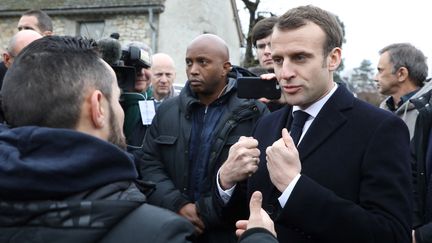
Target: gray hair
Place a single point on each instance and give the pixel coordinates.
(406, 55)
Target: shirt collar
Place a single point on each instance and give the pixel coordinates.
(391, 104)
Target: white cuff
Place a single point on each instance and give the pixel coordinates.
(287, 193)
(224, 194)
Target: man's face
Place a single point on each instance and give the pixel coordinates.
(29, 22)
(387, 82)
(142, 80)
(264, 52)
(163, 75)
(116, 118)
(205, 70)
(303, 73)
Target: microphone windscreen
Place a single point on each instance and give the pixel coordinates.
(110, 50)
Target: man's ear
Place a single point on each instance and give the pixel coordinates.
(47, 33)
(97, 111)
(334, 58)
(7, 59)
(402, 74)
(226, 68)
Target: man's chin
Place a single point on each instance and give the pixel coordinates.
(163, 92)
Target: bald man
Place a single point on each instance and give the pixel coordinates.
(17, 43)
(191, 135)
(163, 76)
(15, 46)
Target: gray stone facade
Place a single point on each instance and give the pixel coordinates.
(166, 25)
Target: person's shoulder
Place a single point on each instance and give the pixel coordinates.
(371, 116)
(367, 108)
(165, 222)
(169, 104)
(153, 224)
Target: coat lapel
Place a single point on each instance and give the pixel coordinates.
(328, 120)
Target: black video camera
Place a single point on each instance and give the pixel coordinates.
(126, 63)
(133, 60)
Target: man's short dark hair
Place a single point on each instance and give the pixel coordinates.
(44, 21)
(406, 55)
(263, 28)
(47, 83)
(300, 16)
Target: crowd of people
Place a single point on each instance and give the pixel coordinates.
(86, 160)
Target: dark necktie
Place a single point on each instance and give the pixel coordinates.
(299, 119)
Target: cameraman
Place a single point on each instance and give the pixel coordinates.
(138, 116)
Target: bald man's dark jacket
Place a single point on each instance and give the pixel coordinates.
(355, 183)
(166, 151)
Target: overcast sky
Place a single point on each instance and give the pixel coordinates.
(369, 24)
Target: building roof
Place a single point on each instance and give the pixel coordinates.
(67, 7)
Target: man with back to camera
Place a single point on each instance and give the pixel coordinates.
(163, 77)
(342, 174)
(191, 135)
(65, 175)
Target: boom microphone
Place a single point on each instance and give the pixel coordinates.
(110, 50)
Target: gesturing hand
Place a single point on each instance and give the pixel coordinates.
(258, 217)
(283, 162)
(242, 161)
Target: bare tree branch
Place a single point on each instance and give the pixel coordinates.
(252, 8)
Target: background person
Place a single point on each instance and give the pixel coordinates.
(36, 20)
(261, 36)
(402, 71)
(163, 76)
(138, 118)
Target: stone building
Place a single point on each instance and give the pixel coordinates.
(166, 25)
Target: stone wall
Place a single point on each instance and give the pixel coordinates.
(7, 30)
(130, 27)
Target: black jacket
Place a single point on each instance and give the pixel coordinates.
(166, 153)
(423, 186)
(347, 192)
(59, 185)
